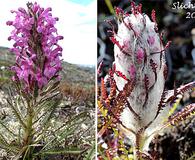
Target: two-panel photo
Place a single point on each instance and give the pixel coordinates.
(97, 80)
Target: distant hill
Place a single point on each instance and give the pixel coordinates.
(71, 73)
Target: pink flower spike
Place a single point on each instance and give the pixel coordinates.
(37, 61)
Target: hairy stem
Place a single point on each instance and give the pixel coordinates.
(138, 146)
(141, 145)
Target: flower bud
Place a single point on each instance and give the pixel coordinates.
(139, 55)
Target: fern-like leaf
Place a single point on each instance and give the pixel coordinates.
(182, 115)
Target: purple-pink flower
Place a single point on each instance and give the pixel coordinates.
(151, 40)
(35, 46)
(140, 55)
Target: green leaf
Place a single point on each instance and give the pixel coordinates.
(64, 131)
(47, 116)
(17, 114)
(19, 154)
(73, 120)
(9, 130)
(91, 153)
(192, 157)
(5, 145)
(110, 7)
(51, 89)
(63, 151)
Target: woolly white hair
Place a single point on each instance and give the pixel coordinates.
(145, 30)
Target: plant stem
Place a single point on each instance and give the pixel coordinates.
(140, 143)
(28, 136)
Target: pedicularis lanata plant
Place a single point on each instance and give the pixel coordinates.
(137, 104)
(36, 80)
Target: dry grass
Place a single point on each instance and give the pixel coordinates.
(79, 94)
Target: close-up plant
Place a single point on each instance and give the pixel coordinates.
(133, 103)
(32, 126)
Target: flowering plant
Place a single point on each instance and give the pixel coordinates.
(34, 131)
(137, 105)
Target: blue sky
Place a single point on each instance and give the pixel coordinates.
(77, 23)
(82, 2)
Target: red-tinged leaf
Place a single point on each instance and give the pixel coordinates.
(160, 107)
(139, 8)
(180, 90)
(168, 44)
(161, 39)
(114, 67)
(133, 8)
(120, 74)
(182, 115)
(146, 85)
(132, 110)
(120, 14)
(153, 16)
(112, 89)
(108, 155)
(114, 41)
(185, 88)
(162, 102)
(119, 11)
(154, 67)
(145, 57)
(99, 70)
(104, 95)
(136, 9)
(165, 72)
(102, 130)
(128, 88)
(130, 27)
